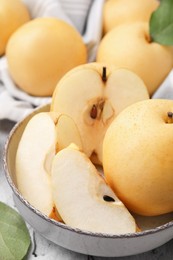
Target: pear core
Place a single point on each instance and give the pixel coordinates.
(93, 95)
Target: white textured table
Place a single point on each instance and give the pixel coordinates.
(41, 248)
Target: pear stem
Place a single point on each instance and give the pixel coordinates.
(170, 117)
(104, 76)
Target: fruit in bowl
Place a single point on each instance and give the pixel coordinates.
(131, 152)
(93, 95)
(83, 198)
(154, 232)
(87, 98)
(137, 157)
(44, 135)
(52, 177)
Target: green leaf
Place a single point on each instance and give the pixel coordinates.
(161, 23)
(14, 235)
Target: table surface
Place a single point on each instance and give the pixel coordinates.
(44, 249)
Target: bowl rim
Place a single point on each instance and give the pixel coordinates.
(60, 224)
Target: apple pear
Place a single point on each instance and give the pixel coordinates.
(13, 14)
(48, 47)
(130, 46)
(42, 137)
(116, 12)
(138, 157)
(93, 95)
(82, 197)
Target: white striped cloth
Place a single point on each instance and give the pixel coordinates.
(73, 12)
(84, 15)
(165, 90)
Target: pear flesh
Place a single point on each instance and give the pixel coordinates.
(82, 197)
(37, 142)
(44, 135)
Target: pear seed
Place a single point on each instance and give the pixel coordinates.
(170, 114)
(108, 198)
(93, 113)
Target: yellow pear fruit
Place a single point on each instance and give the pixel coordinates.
(40, 52)
(93, 95)
(138, 157)
(13, 14)
(130, 46)
(36, 144)
(83, 198)
(116, 12)
(42, 138)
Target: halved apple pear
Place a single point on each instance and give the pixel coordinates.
(37, 147)
(93, 95)
(82, 197)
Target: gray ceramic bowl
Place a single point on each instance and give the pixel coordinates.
(156, 230)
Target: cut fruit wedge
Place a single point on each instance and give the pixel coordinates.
(44, 133)
(82, 197)
(67, 133)
(33, 180)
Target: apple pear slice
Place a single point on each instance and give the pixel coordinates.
(37, 147)
(67, 132)
(82, 197)
(93, 95)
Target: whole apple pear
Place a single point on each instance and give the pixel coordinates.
(13, 14)
(116, 12)
(138, 157)
(48, 48)
(130, 46)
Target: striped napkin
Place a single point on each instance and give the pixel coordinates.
(84, 15)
